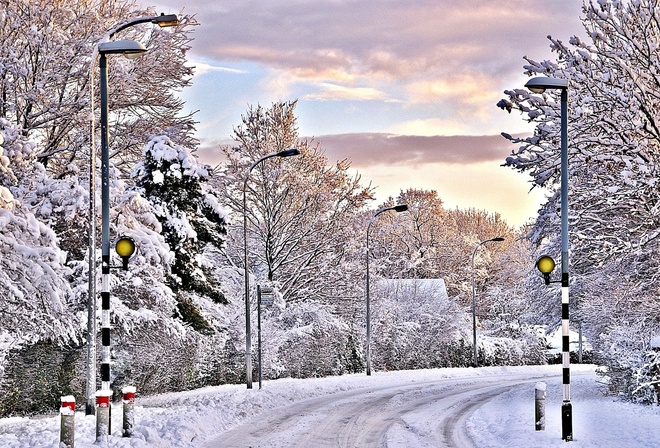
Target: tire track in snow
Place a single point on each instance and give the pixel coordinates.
(424, 414)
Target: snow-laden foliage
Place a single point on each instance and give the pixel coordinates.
(48, 67)
(416, 325)
(38, 301)
(614, 155)
(298, 208)
(429, 241)
(190, 215)
(36, 294)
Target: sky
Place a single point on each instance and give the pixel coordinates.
(196, 418)
(406, 90)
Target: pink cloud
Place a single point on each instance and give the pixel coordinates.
(400, 39)
(368, 149)
(387, 149)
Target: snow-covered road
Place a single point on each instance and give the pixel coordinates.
(421, 414)
(482, 408)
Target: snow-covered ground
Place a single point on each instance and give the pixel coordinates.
(190, 419)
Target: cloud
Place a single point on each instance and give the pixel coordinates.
(464, 170)
(389, 149)
(396, 39)
(431, 127)
(415, 52)
(202, 68)
(403, 71)
(336, 92)
(370, 149)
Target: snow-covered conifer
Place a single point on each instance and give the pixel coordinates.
(190, 216)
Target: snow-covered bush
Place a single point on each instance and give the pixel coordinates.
(415, 325)
(306, 340)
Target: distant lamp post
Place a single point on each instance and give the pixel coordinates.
(397, 208)
(540, 85)
(248, 337)
(475, 362)
(163, 20)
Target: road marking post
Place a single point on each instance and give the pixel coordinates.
(539, 406)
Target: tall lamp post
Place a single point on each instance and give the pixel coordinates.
(540, 85)
(128, 48)
(397, 208)
(248, 336)
(475, 362)
(162, 21)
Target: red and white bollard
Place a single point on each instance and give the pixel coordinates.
(103, 414)
(128, 393)
(67, 423)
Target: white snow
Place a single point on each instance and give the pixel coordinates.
(655, 342)
(189, 419)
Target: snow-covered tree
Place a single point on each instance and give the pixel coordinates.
(420, 237)
(299, 209)
(33, 271)
(614, 151)
(37, 297)
(302, 215)
(190, 217)
(46, 66)
(429, 241)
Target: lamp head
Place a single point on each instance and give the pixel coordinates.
(498, 239)
(546, 265)
(125, 248)
(129, 48)
(166, 20)
(288, 152)
(541, 83)
(397, 208)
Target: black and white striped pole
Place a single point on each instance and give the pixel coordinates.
(129, 49)
(125, 247)
(539, 85)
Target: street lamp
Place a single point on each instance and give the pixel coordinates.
(163, 20)
(248, 337)
(132, 49)
(474, 303)
(540, 85)
(397, 208)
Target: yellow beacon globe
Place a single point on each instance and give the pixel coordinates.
(125, 247)
(545, 264)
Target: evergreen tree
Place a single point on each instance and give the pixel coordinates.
(175, 183)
